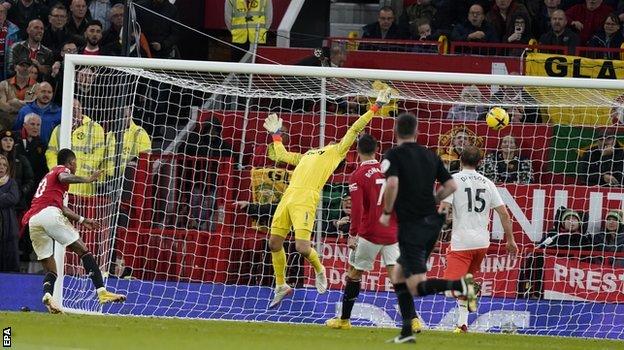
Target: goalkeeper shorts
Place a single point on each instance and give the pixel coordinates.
(299, 217)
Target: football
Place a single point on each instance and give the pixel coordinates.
(497, 118)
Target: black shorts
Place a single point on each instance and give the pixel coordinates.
(416, 241)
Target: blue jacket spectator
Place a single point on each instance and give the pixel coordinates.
(610, 38)
(11, 36)
(43, 106)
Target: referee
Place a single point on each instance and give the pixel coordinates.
(416, 169)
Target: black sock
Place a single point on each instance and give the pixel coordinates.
(434, 286)
(406, 305)
(92, 270)
(48, 283)
(351, 292)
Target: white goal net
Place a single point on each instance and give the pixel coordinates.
(190, 187)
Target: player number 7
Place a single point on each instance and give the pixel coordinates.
(381, 182)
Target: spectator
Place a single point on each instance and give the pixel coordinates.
(326, 57)
(205, 142)
(140, 50)
(588, 18)
(32, 49)
(116, 15)
(560, 35)
(472, 109)
(416, 13)
(610, 38)
(603, 164)
(507, 165)
(93, 36)
(22, 12)
(33, 73)
(460, 138)
(502, 14)
(384, 28)
(56, 34)
(30, 146)
(241, 18)
(475, 28)
(78, 18)
(15, 93)
(100, 10)
(135, 141)
(611, 239)
(161, 33)
(87, 139)
(341, 225)
(543, 19)
(520, 105)
(9, 197)
(9, 35)
(56, 75)
(21, 171)
(567, 234)
(43, 106)
(520, 32)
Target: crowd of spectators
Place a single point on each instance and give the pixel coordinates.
(570, 24)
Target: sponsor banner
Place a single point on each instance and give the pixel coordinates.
(250, 303)
(498, 275)
(571, 279)
(587, 112)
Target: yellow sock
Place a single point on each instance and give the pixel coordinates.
(313, 258)
(279, 266)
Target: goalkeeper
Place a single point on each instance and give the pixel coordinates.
(297, 207)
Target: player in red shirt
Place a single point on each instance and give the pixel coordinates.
(48, 221)
(367, 236)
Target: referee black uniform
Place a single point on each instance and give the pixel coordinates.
(419, 223)
(416, 168)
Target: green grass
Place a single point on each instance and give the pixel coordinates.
(44, 331)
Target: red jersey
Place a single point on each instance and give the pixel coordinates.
(50, 193)
(365, 187)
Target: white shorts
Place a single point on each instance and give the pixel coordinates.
(365, 253)
(47, 226)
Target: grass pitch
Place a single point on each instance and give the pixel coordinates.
(44, 331)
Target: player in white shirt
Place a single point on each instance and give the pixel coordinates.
(471, 207)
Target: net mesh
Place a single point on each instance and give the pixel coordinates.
(185, 214)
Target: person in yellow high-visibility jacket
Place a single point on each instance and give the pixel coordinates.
(88, 145)
(135, 141)
(242, 17)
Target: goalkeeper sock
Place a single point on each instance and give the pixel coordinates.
(48, 283)
(88, 261)
(279, 266)
(462, 308)
(434, 286)
(351, 292)
(406, 306)
(314, 260)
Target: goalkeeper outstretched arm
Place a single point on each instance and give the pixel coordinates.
(273, 124)
(359, 125)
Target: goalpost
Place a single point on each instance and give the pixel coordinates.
(172, 214)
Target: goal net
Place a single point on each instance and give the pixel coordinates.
(185, 214)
